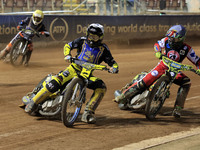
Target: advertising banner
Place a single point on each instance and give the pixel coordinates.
(67, 28)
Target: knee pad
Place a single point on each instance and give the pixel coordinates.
(97, 84)
(53, 86)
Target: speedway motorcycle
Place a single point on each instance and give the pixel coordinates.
(67, 102)
(136, 102)
(152, 99)
(18, 53)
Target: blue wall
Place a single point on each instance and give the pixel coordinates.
(67, 28)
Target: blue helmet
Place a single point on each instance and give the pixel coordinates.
(176, 35)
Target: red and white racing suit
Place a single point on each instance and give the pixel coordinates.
(178, 55)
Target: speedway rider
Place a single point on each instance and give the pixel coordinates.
(175, 49)
(35, 22)
(89, 49)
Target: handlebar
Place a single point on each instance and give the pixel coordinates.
(89, 66)
(178, 65)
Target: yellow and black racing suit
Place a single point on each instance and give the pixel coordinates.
(94, 55)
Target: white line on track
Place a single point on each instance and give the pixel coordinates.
(160, 140)
(11, 133)
(194, 97)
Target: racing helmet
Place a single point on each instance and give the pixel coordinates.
(95, 34)
(176, 36)
(37, 17)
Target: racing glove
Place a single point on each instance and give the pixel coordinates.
(68, 58)
(44, 33)
(114, 68)
(19, 27)
(198, 71)
(158, 55)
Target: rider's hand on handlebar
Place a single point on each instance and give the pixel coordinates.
(114, 69)
(158, 55)
(68, 58)
(19, 27)
(198, 71)
(44, 33)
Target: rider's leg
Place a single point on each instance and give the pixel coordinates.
(51, 87)
(44, 92)
(98, 94)
(142, 85)
(136, 88)
(28, 55)
(5, 51)
(181, 96)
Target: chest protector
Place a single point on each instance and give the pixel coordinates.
(89, 54)
(178, 54)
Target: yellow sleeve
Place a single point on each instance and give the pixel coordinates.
(67, 50)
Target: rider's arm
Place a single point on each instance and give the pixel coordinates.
(107, 57)
(159, 46)
(193, 57)
(76, 44)
(43, 30)
(23, 23)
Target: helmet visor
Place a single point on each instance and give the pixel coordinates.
(174, 36)
(175, 39)
(93, 37)
(37, 19)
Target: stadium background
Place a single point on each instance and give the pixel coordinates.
(124, 20)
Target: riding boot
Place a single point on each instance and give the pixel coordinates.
(27, 58)
(39, 97)
(180, 100)
(88, 115)
(134, 89)
(3, 53)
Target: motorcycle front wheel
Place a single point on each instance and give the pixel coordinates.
(72, 102)
(16, 56)
(156, 98)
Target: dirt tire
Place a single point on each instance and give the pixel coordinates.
(156, 98)
(16, 57)
(72, 102)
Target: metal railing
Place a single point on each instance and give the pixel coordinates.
(95, 7)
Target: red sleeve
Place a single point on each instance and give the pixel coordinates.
(157, 48)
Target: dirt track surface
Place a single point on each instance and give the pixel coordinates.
(114, 128)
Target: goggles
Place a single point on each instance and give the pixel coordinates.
(175, 39)
(93, 37)
(37, 19)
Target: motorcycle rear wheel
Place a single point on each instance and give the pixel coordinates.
(72, 102)
(16, 57)
(156, 98)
